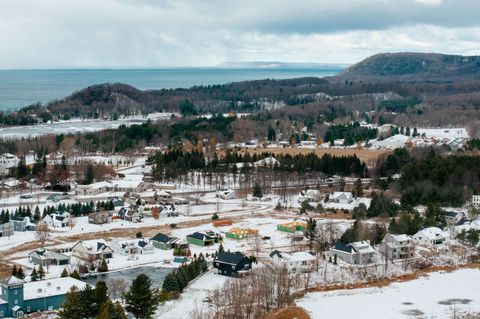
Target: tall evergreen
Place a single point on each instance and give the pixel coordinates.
(141, 300)
(34, 275)
(72, 307)
(41, 272)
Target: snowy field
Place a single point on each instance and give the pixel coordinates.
(436, 296)
(76, 125)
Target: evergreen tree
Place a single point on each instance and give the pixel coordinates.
(75, 274)
(103, 266)
(358, 187)
(100, 295)
(257, 191)
(170, 283)
(141, 300)
(41, 273)
(20, 273)
(64, 273)
(14, 271)
(34, 275)
(111, 311)
(89, 306)
(72, 306)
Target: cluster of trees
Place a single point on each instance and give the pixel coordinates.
(175, 162)
(471, 236)
(37, 274)
(178, 279)
(90, 303)
(351, 133)
(141, 300)
(362, 231)
(18, 272)
(440, 179)
(399, 106)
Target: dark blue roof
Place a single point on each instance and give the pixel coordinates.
(231, 258)
(161, 238)
(343, 247)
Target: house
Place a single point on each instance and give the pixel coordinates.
(476, 200)
(90, 251)
(162, 241)
(225, 193)
(24, 224)
(431, 236)
(231, 264)
(455, 217)
(269, 161)
(132, 214)
(292, 227)
(205, 238)
(57, 220)
(18, 298)
(397, 246)
(356, 253)
(309, 195)
(169, 211)
(132, 247)
(7, 162)
(100, 218)
(6, 229)
(241, 233)
(47, 257)
(222, 222)
(92, 189)
(340, 197)
(294, 262)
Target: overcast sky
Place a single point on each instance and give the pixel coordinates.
(159, 33)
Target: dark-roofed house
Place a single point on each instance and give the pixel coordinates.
(162, 241)
(47, 257)
(357, 253)
(206, 238)
(232, 264)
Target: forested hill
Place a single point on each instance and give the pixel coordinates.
(422, 66)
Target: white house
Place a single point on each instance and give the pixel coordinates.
(431, 236)
(356, 253)
(341, 197)
(397, 246)
(309, 195)
(92, 250)
(225, 193)
(132, 247)
(476, 200)
(7, 161)
(92, 189)
(294, 262)
(57, 220)
(267, 162)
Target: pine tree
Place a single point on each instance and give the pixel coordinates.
(20, 273)
(100, 296)
(141, 300)
(71, 306)
(111, 311)
(41, 273)
(89, 307)
(103, 266)
(75, 274)
(257, 191)
(34, 275)
(64, 273)
(170, 283)
(14, 271)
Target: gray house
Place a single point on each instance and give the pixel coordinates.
(24, 224)
(357, 253)
(47, 257)
(6, 230)
(397, 246)
(163, 241)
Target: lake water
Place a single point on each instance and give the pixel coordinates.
(20, 88)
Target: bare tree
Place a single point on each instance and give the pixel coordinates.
(116, 287)
(43, 232)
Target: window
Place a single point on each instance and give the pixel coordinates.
(1, 313)
(16, 301)
(28, 309)
(15, 292)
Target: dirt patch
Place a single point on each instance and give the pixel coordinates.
(290, 313)
(365, 155)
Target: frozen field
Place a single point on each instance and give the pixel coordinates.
(436, 296)
(76, 125)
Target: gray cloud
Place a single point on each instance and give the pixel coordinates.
(143, 33)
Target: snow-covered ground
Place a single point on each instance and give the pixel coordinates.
(76, 125)
(435, 296)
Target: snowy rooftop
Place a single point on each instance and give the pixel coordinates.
(51, 287)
